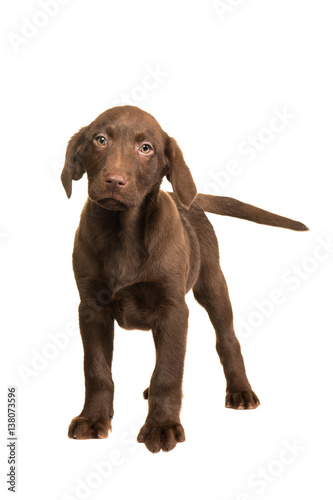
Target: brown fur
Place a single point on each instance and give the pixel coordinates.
(138, 250)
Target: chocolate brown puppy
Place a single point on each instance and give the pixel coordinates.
(138, 250)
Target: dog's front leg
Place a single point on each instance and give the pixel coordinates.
(162, 429)
(97, 331)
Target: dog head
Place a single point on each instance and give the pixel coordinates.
(126, 154)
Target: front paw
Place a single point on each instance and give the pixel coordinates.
(87, 428)
(161, 437)
(242, 400)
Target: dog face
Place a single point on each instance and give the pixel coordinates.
(126, 154)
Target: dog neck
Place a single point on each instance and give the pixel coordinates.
(123, 227)
(121, 239)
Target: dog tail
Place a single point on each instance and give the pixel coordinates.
(222, 205)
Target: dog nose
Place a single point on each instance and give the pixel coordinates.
(118, 181)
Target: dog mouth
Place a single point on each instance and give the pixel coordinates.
(111, 203)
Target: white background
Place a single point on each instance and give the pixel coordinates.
(223, 76)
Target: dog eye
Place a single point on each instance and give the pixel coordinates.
(101, 140)
(146, 148)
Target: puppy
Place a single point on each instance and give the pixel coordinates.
(138, 251)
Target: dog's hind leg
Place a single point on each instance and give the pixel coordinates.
(211, 291)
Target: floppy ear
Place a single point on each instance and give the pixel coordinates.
(179, 174)
(73, 169)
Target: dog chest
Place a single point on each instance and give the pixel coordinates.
(140, 305)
